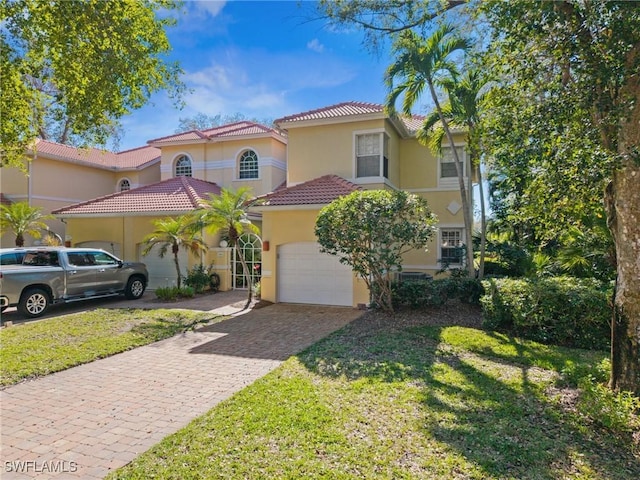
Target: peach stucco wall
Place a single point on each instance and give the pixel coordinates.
(217, 162)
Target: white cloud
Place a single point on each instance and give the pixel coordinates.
(208, 7)
(315, 45)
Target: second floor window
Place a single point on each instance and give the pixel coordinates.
(183, 167)
(124, 185)
(248, 165)
(372, 158)
(447, 162)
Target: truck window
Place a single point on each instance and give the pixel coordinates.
(41, 259)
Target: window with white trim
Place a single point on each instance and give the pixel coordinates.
(372, 155)
(183, 167)
(451, 246)
(124, 185)
(448, 165)
(248, 165)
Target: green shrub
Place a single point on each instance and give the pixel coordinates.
(424, 293)
(198, 278)
(564, 311)
(617, 411)
(171, 294)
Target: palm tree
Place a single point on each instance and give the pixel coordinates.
(177, 233)
(227, 213)
(426, 63)
(21, 218)
(461, 110)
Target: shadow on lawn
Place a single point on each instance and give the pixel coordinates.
(491, 410)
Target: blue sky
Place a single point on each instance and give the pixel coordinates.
(264, 59)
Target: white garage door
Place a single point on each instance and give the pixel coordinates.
(162, 271)
(307, 276)
(110, 247)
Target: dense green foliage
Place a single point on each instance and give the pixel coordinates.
(425, 293)
(71, 69)
(174, 293)
(198, 278)
(371, 230)
(560, 310)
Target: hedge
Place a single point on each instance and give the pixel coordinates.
(424, 293)
(567, 311)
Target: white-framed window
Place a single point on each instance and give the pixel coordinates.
(248, 165)
(451, 246)
(124, 185)
(372, 155)
(183, 166)
(448, 165)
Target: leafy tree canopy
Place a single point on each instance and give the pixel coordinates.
(202, 121)
(71, 69)
(371, 230)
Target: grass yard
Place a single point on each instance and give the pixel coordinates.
(403, 398)
(40, 348)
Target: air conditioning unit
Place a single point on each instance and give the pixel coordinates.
(414, 276)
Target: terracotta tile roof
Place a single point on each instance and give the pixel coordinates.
(237, 129)
(179, 194)
(4, 200)
(129, 159)
(347, 109)
(343, 109)
(319, 191)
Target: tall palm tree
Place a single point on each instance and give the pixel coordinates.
(227, 213)
(21, 218)
(424, 64)
(461, 110)
(174, 233)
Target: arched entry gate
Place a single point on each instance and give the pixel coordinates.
(251, 246)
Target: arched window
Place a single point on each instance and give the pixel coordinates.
(183, 166)
(248, 165)
(124, 185)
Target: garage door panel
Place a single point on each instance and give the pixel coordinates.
(162, 271)
(305, 275)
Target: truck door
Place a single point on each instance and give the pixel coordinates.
(109, 275)
(81, 275)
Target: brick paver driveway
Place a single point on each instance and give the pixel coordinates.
(88, 420)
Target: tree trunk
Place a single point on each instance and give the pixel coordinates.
(466, 204)
(247, 275)
(483, 224)
(623, 201)
(175, 250)
(623, 217)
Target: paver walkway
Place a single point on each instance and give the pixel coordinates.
(89, 420)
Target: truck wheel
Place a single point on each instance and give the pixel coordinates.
(34, 302)
(135, 288)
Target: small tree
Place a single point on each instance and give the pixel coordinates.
(371, 230)
(227, 213)
(176, 233)
(21, 218)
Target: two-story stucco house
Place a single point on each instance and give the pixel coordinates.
(331, 152)
(110, 200)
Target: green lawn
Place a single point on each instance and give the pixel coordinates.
(39, 348)
(384, 399)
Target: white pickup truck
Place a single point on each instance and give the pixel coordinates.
(56, 275)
